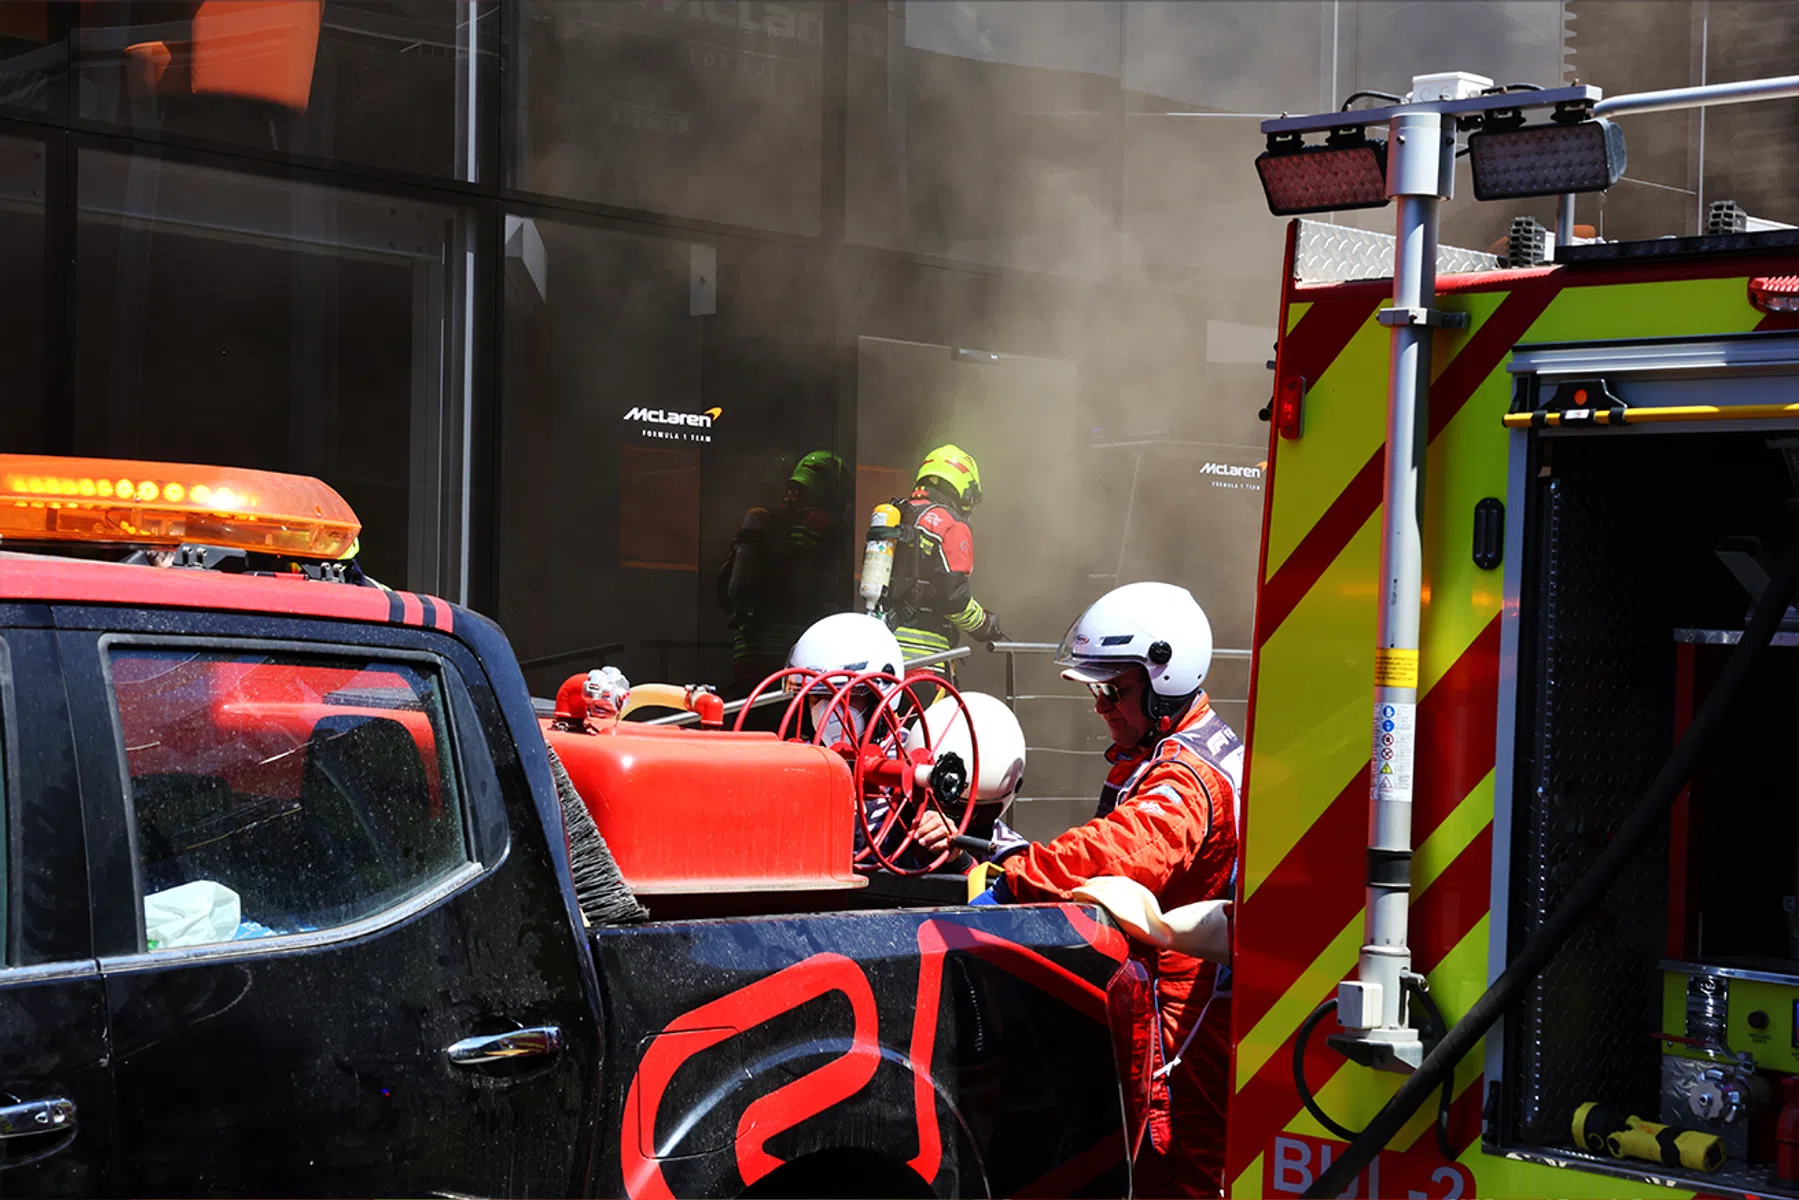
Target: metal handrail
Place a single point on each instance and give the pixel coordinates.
(1013, 649)
(1052, 647)
(942, 656)
(736, 706)
(600, 652)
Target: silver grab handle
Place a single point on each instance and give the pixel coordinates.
(36, 1116)
(516, 1043)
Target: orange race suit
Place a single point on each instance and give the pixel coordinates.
(1167, 819)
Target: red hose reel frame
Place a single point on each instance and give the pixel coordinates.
(890, 796)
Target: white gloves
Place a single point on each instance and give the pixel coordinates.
(1201, 930)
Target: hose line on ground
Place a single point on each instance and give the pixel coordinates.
(1633, 834)
(1437, 1028)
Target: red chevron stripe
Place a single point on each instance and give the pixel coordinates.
(1357, 502)
(1319, 548)
(1464, 1115)
(1312, 893)
(1464, 1122)
(1322, 334)
(1459, 899)
(1442, 916)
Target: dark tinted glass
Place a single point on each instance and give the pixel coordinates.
(228, 318)
(34, 58)
(986, 132)
(673, 499)
(403, 86)
(707, 110)
(277, 795)
(22, 400)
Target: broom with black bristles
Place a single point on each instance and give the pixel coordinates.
(600, 890)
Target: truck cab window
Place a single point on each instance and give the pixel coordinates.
(276, 793)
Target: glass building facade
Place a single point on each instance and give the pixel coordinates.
(559, 293)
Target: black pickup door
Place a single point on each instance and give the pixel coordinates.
(954, 1052)
(334, 944)
(55, 1077)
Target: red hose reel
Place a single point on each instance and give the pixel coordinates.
(866, 718)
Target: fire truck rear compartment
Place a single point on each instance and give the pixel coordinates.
(1628, 607)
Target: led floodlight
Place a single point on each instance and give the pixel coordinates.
(1349, 171)
(1546, 160)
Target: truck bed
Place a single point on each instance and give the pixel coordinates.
(798, 1050)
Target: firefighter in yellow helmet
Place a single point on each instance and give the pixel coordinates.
(929, 602)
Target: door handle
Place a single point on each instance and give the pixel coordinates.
(515, 1043)
(36, 1116)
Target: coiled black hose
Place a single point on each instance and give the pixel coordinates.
(1432, 1032)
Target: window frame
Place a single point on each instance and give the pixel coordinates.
(12, 842)
(455, 698)
(205, 198)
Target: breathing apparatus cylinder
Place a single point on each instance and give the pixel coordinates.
(877, 559)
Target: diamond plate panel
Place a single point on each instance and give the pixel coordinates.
(1600, 711)
(1330, 253)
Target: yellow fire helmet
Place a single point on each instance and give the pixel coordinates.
(956, 468)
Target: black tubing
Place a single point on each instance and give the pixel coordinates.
(1446, 1097)
(1303, 1038)
(1562, 924)
(1300, 1041)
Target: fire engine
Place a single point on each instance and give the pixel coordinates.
(1516, 910)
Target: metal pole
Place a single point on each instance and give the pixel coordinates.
(730, 709)
(1741, 92)
(735, 706)
(1564, 220)
(1417, 178)
(942, 656)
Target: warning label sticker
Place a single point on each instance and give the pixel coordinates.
(1395, 668)
(1390, 775)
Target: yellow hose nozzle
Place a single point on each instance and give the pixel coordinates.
(1598, 1129)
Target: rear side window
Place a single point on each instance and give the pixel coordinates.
(279, 793)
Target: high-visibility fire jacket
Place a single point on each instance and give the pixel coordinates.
(930, 602)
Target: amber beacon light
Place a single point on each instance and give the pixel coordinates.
(122, 502)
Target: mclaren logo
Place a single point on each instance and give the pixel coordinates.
(669, 424)
(1229, 475)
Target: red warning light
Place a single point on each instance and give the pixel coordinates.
(1775, 293)
(1289, 407)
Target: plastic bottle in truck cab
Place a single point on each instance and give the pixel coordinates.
(287, 908)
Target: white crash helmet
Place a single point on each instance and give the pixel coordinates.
(1157, 626)
(839, 646)
(997, 735)
(848, 643)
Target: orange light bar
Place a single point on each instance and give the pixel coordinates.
(47, 499)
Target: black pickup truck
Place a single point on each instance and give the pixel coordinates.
(287, 909)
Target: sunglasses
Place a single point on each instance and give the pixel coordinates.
(1105, 691)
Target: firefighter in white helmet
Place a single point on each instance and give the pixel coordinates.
(998, 744)
(841, 647)
(1168, 820)
(846, 645)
